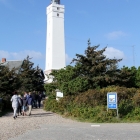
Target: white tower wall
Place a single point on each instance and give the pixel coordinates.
(55, 46)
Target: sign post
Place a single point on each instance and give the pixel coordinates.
(112, 101)
(59, 95)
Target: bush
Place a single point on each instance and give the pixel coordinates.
(5, 105)
(136, 99)
(134, 115)
(91, 105)
(1, 107)
(50, 105)
(125, 107)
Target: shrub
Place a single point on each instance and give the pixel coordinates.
(125, 107)
(134, 115)
(91, 105)
(5, 106)
(1, 107)
(136, 99)
(91, 98)
(50, 105)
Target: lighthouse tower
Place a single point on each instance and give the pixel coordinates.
(55, 39)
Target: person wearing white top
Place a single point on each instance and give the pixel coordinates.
(14, 101)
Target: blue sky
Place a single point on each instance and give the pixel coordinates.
(111, 23)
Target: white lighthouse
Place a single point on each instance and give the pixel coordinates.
(55, 39)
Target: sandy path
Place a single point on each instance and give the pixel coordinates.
(10, 128)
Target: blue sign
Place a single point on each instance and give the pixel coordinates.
(112, 106)
(112, 100)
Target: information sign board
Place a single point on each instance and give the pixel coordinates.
(59, 95)
(112, 101)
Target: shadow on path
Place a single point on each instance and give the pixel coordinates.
(42, 114)
(36, 115)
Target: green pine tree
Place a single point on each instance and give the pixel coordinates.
(31, 78)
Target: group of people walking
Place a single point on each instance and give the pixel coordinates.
(21, 104)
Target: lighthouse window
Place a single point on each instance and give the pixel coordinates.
(57, 14)
(58, 8)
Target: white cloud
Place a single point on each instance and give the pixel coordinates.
(4, 54)
(114, 53)
(116, 35)
(21, 55)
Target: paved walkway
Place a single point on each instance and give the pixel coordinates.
(43, 125)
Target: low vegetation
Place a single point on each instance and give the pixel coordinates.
(86, 84)
(92, 105)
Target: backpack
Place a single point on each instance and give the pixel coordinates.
(19, 101)
(39, 97)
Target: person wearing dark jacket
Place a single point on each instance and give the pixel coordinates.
(34, 100)
(39, 98)
(29, 102)
(24, 107)
(20, 104)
